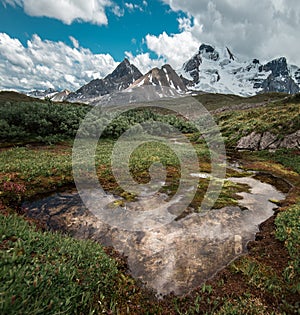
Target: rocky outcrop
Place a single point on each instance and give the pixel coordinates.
(279, 80)
(268, 141)
(280, 84)
(209, 52)
(192, 68)
(278, 67)
(60, 96)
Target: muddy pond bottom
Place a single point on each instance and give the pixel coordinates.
(175, 257)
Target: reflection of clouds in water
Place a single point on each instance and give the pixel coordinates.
(177, 256)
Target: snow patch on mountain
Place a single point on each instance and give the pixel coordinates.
(50, 94)
(164, 77)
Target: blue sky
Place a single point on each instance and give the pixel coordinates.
(66, 43)
(123, 33)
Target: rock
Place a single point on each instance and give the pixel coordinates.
(277, 66)
(274, 146)
(297, 76)
(192, 67)
(209, 52)
(250, 142)
(164, 77)
(291, 141)
(266, 140)
(280, 79)
(283, 84)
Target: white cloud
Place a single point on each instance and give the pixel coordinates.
(185, 24)
(129, 6)
(67, 11)
(258, 28)
(175, 48)
(133, 6)
(43, 64)
(144, 62)
(118, 11)
(74, 42)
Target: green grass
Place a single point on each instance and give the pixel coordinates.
(283, 120)
(288, 231)
(243, 305)
(30, 164)
(48, 273)
(213, 101)
(289, 158)
(26, 172)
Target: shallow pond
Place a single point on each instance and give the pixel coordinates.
(177, 256)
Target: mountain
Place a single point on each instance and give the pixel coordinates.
(164, 77)
(154, 85)
(120, 79)
(218, 70)
(50, 94)
(60, 96)
(210, 69)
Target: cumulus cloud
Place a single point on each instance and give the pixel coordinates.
(175, 48)
(74, 41)
(185, 24)
(256, 28)
(144, 62)
(42, 64)
(118, 11)
(133, 6)
(67, 11)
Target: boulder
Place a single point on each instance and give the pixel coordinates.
(266, 140)
(250, 142)
(291, 141)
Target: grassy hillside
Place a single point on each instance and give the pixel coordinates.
(10, 96)
(279, 118)
(214, 101)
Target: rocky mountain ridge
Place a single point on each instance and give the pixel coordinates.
(121, 78)
(211, 69)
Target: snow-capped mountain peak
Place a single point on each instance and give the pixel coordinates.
(219, 70)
